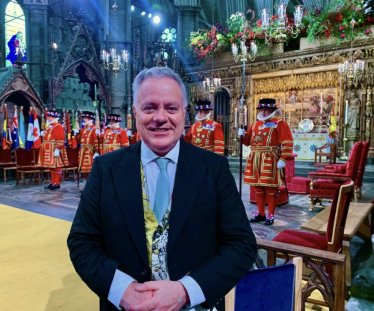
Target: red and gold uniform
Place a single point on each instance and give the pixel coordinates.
(271, 144)
(207, 133)
(53, 139)
(266, 139)
(114, 137)
(89, 145)
(134, 138)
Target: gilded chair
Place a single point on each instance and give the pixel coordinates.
(333, 239)
(324, 183)
(258, 290)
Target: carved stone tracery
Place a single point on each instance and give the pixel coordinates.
(82, 52)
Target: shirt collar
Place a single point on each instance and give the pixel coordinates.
(147, 155)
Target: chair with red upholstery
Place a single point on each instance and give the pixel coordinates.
(26, 164)
(341, 168)
(298, 184)
(72, 166)
(6, 162)
(325, 182)
(333, 239)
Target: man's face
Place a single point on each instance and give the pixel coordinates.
(112, 122)
(201, 114)
(50, 119)
(85, 120)
(159, 114)
(264, 112)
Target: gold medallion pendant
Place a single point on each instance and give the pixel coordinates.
(198, 140)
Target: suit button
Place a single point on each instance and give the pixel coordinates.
(156, 252)
(157, 269)
(144, 272)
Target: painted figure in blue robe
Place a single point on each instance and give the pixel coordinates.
(16, 46)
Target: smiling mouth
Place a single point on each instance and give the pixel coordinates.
(158, 130)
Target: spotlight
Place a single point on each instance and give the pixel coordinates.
(132, 8)
(157, 19)
(142, 13)
(149, 15)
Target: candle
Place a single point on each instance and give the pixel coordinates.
(321, 104)
(236, 117)
(245, 115)
(346, 113)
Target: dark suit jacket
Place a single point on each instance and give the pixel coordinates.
(210, 238)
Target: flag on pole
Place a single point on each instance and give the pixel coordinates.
(15, 135)
(21, 129)
(74, 142)
(37, 138)
(7, 138)
(30, 131)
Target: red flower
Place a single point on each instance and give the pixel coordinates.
(259, 23)
(338, 17)
(239, 34)
(236, 37)
(341, 28)
(367, 31)
(192, 44)
(342, 35)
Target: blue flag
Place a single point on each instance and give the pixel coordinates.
(21, 130)
(30, 132)
(15, 136)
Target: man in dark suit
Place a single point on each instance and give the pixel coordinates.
(137, 253)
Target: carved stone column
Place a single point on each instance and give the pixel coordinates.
(188, 20)
(120, 38)
(38, 65)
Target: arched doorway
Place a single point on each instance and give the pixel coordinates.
(222, 114)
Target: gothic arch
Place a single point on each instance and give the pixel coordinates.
(82, 53)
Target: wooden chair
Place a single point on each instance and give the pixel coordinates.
(333, 239)
(325, 155)
(258, 290)
(26, 164)
(72, 166)
(6, 162)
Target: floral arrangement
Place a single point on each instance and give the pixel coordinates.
(204, 43)
(333, 21)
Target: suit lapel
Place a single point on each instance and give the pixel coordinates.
(188, 179)
(127, 183)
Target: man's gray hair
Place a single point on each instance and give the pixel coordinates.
(158, 73)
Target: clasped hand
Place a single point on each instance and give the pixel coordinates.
(154, 295)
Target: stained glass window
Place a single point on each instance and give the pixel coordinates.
(15, 33)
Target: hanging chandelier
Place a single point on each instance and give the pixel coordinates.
(278, 27)
(212, 85)
(352, 72)
(112, 60)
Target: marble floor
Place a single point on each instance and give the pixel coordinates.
(63, 203)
